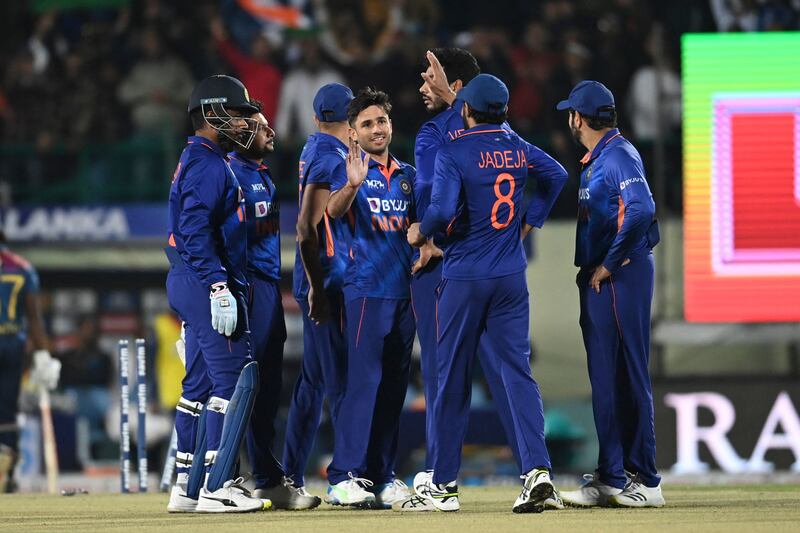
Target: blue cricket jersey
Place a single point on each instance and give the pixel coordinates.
(477, 198)
(206, 215)
(380, 256)
(323, 161)
(17, 279)
(615, 206)
(435, 133)
(262, 215)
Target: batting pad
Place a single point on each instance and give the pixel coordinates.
(233, 426)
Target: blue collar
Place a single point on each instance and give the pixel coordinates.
(604, 140)
(211, 145)
(248, 163)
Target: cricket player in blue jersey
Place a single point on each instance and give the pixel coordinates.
(20, 315)
(378, 198)
(477, 199)
(267, 324)
(323, 245)
(207, 287)
(449, 69)
(616, 233)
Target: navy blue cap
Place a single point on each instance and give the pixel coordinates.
(331, 101)
(485, 93)
(590, 98)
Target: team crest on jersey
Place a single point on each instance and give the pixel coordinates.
(589, 172)
(405, 186)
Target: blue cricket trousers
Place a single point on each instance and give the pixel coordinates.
(498, 309)
(213, 361)
(423, 300)
(267, 334)
(322, 376)
(616, 334)
(380, 335)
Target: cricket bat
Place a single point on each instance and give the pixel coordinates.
(49, 441)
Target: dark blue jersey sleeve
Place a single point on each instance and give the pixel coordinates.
(445, 195)
(426, 146)
(201, 198)
(328, 169)
(337, 174)
(550, 179)
(636, 208)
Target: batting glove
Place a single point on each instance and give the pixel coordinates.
(223, 309)
(46, 370)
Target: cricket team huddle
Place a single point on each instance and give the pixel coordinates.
(387, 251)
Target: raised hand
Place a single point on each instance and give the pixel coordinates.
(437, 80)
(357, 165)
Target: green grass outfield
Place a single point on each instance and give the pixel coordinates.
(486, 509)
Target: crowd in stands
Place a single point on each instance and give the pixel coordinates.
(85, 77)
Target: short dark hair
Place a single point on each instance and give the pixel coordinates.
(600, 123)
(457, 63)
(365, 98)
(198, 120)
(488, 118)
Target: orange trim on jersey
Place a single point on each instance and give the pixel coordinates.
(388, 171)
(171, 240)
(614, 306)
(240, 213)
(437, 319)
(620, 214)
(361, 320)
(328, 236)
(413, 309)
(449, 229)
(477, 132)
(585, 158)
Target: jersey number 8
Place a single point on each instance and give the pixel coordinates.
(503, 199)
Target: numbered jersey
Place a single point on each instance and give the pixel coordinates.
(17, 280)
(477, 197)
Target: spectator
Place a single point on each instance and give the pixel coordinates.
(255, 69)
(295, 119)
(86, 373)
(156, 88)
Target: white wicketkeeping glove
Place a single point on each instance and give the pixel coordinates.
(46, 370)
(180, 345)
(223, 309)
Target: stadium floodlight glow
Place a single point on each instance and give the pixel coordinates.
(741, 140)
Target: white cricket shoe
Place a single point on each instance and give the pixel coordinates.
(389, 493)
(351, 492)
(287, 496)
(592, 493)
(413, 503)
(636, 494)
(554, 502)
(536, 489)
(443, 496)
(179, 502)
(231, 498)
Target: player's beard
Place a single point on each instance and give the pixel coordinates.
(576, 135)
(226, 144)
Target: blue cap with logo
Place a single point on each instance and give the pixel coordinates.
(331, 101)
(590, 98)
(485, 93)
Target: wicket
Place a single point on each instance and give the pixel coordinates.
(124, 410)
